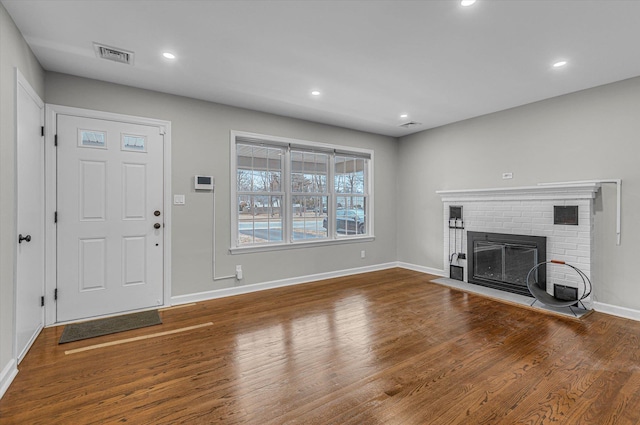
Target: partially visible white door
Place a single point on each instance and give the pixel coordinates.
(110, 217)
(30, 217)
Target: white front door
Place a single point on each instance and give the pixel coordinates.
(110, 217)
(30, 213)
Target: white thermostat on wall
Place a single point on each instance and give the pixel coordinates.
(204, 182)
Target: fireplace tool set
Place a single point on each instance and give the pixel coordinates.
(456, 223)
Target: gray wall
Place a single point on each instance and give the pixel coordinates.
(14, 52)
(200, 145)
(592, 134)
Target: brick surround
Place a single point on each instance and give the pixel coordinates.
(528, 211)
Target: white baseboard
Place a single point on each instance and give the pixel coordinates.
(245, 289)
(423, 269)
(7, 375)
(615, 310)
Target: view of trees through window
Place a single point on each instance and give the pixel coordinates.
(260, 193)
(288, 194)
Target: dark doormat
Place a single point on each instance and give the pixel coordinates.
(110, 325)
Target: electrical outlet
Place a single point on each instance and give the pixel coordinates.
(507, 176)
(363, 254)
(239, 272)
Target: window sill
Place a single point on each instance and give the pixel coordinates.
(297, 245)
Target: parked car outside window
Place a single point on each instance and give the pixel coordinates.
(349, 221)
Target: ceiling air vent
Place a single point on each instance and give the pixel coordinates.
(410, 124)
(113, 54)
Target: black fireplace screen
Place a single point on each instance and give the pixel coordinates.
(503, 261)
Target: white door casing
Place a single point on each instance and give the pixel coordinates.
(52, 112)
(30, 235)
(109, 257)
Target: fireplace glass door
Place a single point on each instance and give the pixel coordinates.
(504, 262)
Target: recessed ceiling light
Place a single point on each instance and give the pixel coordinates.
(169, 55)
(466, 3)
(404, 116)
(559, 64)
(315, 93)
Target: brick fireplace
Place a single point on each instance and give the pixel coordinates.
(527, 211)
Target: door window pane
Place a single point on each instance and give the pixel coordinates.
(134, 143)
(92, 139)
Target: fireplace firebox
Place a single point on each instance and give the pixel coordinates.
(502, 261)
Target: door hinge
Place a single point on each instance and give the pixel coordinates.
(42, 301)
(55, 294)
(55, 140)
(42, 131)
(55, 217)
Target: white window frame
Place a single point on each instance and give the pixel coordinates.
(287, 242)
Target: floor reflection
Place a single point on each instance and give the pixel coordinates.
(273, 359)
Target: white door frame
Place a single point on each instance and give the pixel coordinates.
(19, 355)
(51, 112)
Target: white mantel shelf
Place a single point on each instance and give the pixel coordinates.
(524, 193)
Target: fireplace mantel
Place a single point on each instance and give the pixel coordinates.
(524, 193)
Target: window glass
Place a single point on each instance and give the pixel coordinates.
(309, 217)
(259, 219)
(258, 187)
(350, 174)
(351, 199)
(259, 169)
(309, 171)
(293, 192)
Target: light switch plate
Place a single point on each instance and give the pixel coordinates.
(178, 199)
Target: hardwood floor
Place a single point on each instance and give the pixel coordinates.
(379, 348)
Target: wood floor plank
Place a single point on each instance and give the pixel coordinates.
(467, 384)
(386, 347)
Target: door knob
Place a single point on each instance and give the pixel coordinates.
(24, 238)
(157, 226)
(156, 213)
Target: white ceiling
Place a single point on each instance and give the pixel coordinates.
(372, 60)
